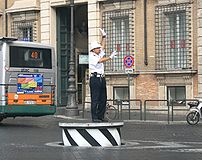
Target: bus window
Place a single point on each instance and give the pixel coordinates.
(30, 57)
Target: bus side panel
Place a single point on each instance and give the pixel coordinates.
(26, 99)
(3, 52)
(31, 110)
(30, 104)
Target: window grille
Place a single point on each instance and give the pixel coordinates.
(24, 31)
(24, 26)
(173, 37)
(119, 27)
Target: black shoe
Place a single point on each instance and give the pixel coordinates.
(96, 120)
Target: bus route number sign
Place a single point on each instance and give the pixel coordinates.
(128, 61)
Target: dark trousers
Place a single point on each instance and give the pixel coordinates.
(98, 97)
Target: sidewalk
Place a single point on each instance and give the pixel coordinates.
(158, 114)
(132, 116)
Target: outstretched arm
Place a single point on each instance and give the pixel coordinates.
(104, 59)
(112, 56)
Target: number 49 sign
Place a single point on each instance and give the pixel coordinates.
(128, 61)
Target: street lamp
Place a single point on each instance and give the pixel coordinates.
(72, 107)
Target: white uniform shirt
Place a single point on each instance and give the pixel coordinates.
(94, 66)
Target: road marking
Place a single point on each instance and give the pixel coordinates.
(183, 147)
(195, 150)
(139, 144)
(135, 144)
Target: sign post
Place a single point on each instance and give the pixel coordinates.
(129, 63)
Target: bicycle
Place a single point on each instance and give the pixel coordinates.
(111, 112)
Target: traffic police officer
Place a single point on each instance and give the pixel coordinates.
(97, 79)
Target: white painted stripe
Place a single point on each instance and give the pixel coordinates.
(195, 150)
(99, 137)
(78, 138)
(114, 132)
(87, 125)
(65, 140)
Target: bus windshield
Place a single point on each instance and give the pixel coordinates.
(29, 57)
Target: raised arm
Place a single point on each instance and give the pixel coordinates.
(103, 40)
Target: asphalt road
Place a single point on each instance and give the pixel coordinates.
(40, 139)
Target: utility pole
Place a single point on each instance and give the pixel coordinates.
(72, 106)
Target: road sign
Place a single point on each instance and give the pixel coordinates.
(129, 70)
(128, 61)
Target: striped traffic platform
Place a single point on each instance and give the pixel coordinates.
(91, 134)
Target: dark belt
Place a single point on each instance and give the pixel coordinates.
(97, 75)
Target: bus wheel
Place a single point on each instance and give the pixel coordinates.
(1, 119)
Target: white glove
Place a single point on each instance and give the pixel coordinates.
(103, 32)
(113, 55)
(102, 54)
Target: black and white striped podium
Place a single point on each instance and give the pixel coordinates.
(91, 134)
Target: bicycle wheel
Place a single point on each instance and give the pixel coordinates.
(111, 112)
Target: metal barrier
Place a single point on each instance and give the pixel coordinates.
(130, 108)
(119, 106)
(109, 100)
(83, 109)
(178, 101)
(168, 108)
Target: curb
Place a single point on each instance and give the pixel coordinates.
(127, 121)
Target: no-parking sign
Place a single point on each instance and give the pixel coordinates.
(128, 61)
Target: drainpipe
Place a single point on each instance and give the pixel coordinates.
(145, 33)
(6, 19)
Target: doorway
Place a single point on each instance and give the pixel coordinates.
(63, 15)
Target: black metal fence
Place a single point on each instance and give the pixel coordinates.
(123, 107)
(148, 109)
(164, 108)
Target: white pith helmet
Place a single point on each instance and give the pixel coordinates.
(95, 45)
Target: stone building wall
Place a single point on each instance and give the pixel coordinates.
(155, 85)
(199, 46)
